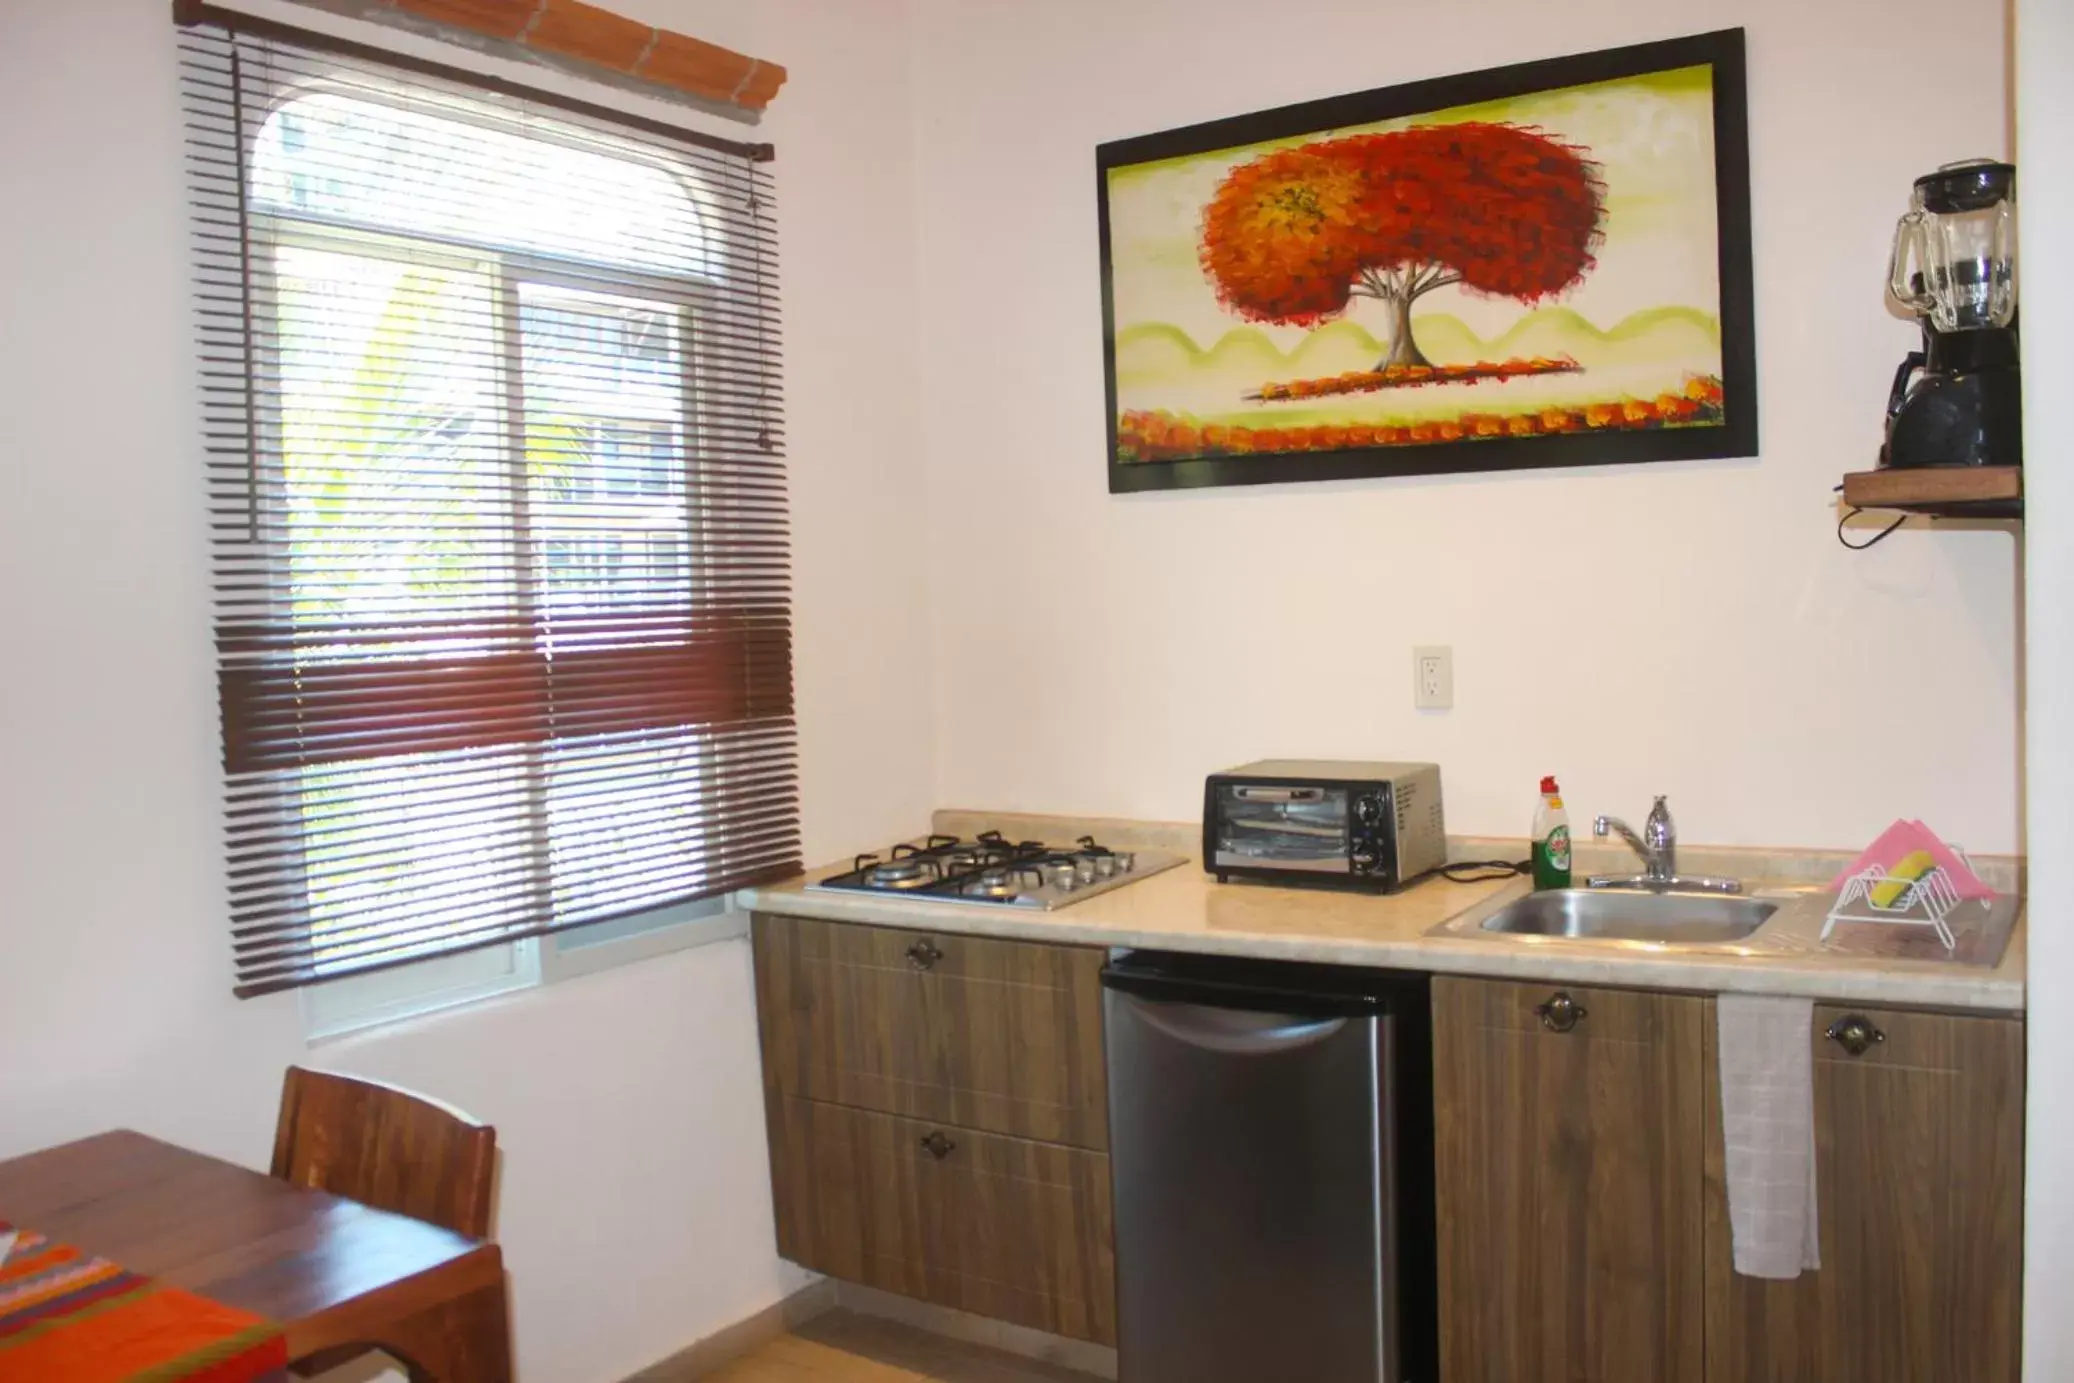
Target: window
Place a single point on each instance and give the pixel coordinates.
(498, 513)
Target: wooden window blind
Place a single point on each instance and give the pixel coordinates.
(493, 439)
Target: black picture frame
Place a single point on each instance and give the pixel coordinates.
(1736, 436)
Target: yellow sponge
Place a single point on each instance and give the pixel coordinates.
(1909, 868)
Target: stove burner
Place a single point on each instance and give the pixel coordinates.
(995, 869)
(906, 871)
(966, 857)
(993, 883)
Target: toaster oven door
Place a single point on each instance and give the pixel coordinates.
(1266, 826)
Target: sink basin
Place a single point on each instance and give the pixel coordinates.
(1692, 918)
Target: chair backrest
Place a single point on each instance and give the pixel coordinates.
(387, 1148)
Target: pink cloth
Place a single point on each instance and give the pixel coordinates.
(1905, 838)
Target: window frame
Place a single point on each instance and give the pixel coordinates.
(359, 1004)
(351, 1004)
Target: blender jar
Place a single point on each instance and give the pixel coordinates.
(1954, 259)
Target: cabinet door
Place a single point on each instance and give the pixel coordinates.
(1568, 1160)
(1919, 1194)
(1002, 1227)
(997, 1035)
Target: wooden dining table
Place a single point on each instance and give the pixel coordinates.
(330, 1271)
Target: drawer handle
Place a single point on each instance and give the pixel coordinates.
(1560, 1012)
(938, 1146)
(923, 955)
(1855, 1033)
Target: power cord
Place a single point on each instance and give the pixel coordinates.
(1869, 542)
(1479, 871)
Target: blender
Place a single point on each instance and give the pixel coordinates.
(1957, 401)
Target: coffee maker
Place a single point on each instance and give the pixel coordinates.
(1958, 400)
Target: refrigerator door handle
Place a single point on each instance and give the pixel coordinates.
(1232, 1032)
(1283, 1005)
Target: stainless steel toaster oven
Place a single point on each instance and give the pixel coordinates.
(1308, 821)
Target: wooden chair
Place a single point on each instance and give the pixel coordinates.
(386, 1147)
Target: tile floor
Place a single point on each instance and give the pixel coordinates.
(845, 1347)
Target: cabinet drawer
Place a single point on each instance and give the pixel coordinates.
(1002, 1227)
(1000, 1036)
(1595, 1014)
(1911, 1039)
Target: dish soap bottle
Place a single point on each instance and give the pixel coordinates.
(1551, 839)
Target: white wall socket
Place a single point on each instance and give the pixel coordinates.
(1433, 678)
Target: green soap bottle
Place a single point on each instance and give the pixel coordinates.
(1551, 839)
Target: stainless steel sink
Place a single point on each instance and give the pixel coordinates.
(1691, 918)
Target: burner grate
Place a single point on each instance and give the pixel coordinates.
(993, 869)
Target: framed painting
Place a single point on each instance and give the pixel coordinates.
(1539, 265)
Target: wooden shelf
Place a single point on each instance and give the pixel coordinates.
(1953, 492)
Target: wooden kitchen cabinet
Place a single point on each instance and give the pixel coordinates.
(938, 1118)
(1003, 1036)
(1919, 1195)
(1583, 1211)
(1002, 1227)
(937, 1108)
(1569, 1136)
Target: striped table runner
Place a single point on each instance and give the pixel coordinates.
(68, 1317)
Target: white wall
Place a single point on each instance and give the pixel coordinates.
(635, 1209)
(1716, 643)
(2045, 125)
(1686, 628)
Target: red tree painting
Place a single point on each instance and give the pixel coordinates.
(1294, 236)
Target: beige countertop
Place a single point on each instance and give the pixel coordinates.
(1184, 909)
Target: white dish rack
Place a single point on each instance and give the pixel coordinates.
(1925, 902)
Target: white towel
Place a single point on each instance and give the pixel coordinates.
(1768, 1123)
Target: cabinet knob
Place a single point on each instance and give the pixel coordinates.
(938, 1146)
(1855, 1033)
(923, 955)
(1559, 1012)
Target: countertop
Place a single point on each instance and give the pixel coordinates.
(1184, 909)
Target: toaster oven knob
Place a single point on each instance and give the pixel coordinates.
(1364, 861)
(1368, 810)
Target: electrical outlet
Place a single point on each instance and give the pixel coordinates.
(1433, 678)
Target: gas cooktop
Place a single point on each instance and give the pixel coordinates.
(994, 869)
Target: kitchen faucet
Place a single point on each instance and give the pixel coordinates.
(1658, 847)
